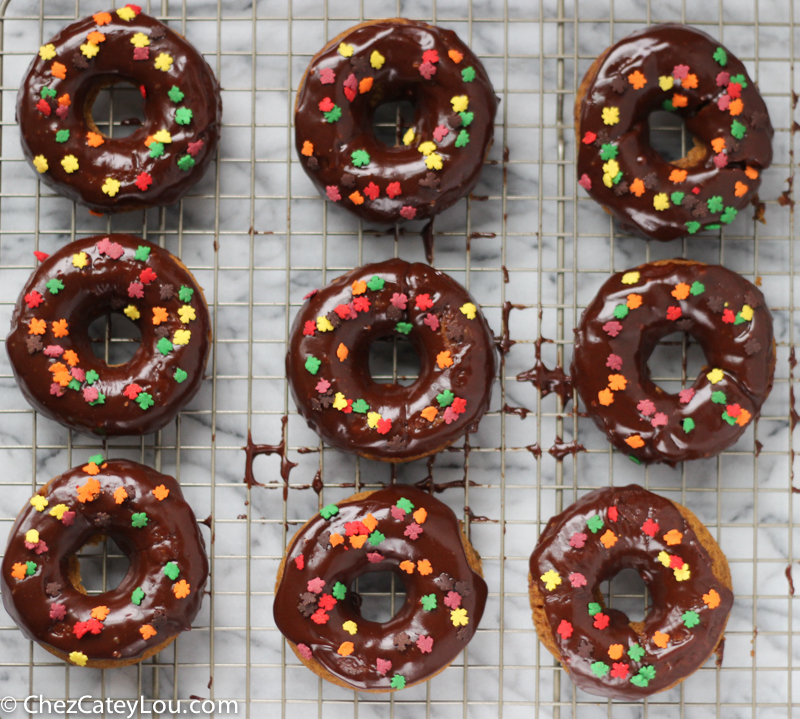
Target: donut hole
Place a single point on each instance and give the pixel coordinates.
(668, 135)
(394, 360)
(627, 592)
(391, 120)
(378, 596)
(114, 338)
(675, 362)
(115, 109)
(99, 566)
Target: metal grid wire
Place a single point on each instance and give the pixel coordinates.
(257, 237)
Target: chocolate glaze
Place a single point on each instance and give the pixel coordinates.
(687, 648)
(411, 436)
(745, 352)
(171, 535)
(402, 43)
(101, 287)
(253, 450)
(122, 159)
(655, 52)
(440, 543)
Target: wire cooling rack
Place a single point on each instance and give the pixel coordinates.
(258, 237)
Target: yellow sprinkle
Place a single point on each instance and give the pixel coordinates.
(58, 511)
(324, 324)
(32, 536)
(661, 201)
(39, 502)
(350, 627)
(187, 314)
(339, 401)
(70, 164)
(459, 103)
(163, 62)
(408, 138)
(47, 52)
(78, 658)
(747, 313)
(630, 278)
(111, 186)
(163, 136)
(426, 148)
(715, 375)
(345, 50)
(608, 180)
(131, 312)
(376, 60)
(611, 168)
(372, 419)
(459, 617)
(551, 579)
(80, 260)
(610, 115)
(663, 557)
(40, 163)
(434, 161)
(683, 573)
(665, 82)
(469, 310)
(140, 40)
(126, 13)
(181, 337)
(89, 49)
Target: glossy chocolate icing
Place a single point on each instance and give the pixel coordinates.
(107, 285)
(122, 159)
(743, 349)
(656, 52)
(424, 191)
(586, 647)
(469, 342)
(171, 534)
(449, 576)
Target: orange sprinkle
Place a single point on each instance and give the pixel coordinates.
(365, 85)
(96, 37)
(740, 189)
(64, 100)
(95, 213)
(336, 539)
(149, 140)
(357, 540)
(181, 589)
(100, 613)
(606, 397)
(637, 187)
(718, 144)
(424, 567)
(689, 82)
(637, 79)
(455, 56)
(57, 367)
(681, 291)
(60, 328)
(430, 413)
(673, 537)
(161, 493)
(71, 358)
(94, 139)
(63, 378)
(751, 172)
(58, 70)
(615, 651)
(356, 198)
(342, 352)
(743, 418)
(635, 441)
(407, 566)
(677, 175)
(660, 639)
(736, 107)
(345, 649)
(308, 149)
(37, 327)
(444, 360)
(617, 382)
(147, 631)
(88, 492)
(712, 599)
(679, 100)
(159, 315)
(609, 539)
(18, 570)
(420, 515)
(634, 301)
(359, 287)
(120, 495)
(92, 469)
(370, 522)
(102, 18)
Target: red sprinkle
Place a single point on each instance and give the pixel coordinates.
(41, 256)
(44, 107)
(300, 562)
(309, 328)
(393, 189)
(650, 527)
(565, 629)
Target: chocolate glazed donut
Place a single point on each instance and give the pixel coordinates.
(144, 512)
(681, 70)
(328, 361)
(686, 574)
(621, 327)
(162, 159)
(51, 351)
(440, 156)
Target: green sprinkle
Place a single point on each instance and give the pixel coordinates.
(739, 319)
(183, 116)
(445, 399)
(668, 106)
(721, 56)
(180, 375)
(466, 118)
(360, 406)
(714, 204)
(74, 384)
(339, 591)
(634, 459)
(600, 669)
(376, 283)
(719, 397)
(404, 327)
(142, 253)
(677, 197)
(312, 364)
(54, 286)
(697, 288)
(688, 425)
(30, 568)
(137, 596)
(648, 673)
(738, 130)
(405, 504)
(594, 608)
(730, 420)
(468, 74)
(329, 510)
(48, 92)
(617, 178)
(621, 312)
(398, 682)
(690, 618)
(101, 399)
(359, 158)
(462, 139)
(185, 294)
(635, 652)
(175, 94)
(639, 680)
(608, 151)
(739, 80)
(595, 523)
(729, 215)
(62, 136)
(156, 149)
(97, 459)
(713, 227)
(692, 227)
(428, 602)
(145, 400)
(139, 519)
(376, 538)
(92, 377)
(164, 346)
(333, 115)
(171, 570)
(185, 163)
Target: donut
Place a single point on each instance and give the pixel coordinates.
(439, 157)
(327, 364)
(164, 157)
(682, 70)
(50, 348)
(720, 310)
(401, 530)
(686, 575)
(145, 513)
